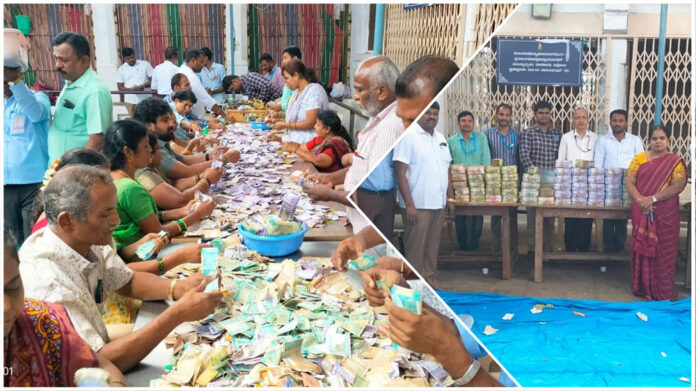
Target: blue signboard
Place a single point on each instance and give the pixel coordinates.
(548, 62)
(410, 6)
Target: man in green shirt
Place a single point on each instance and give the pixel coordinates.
(84, 108)
(470, 148)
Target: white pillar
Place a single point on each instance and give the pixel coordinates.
(470, 30)
(105, 45)
(241, 39)
(229, 46)
(619, 77)
(359, 37)
(616, 22)
(442, 122)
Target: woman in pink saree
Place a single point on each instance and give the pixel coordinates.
(654, 180)
(42, 348)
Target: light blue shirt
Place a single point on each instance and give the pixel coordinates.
(382, 177)
(180, 132)
(212, 79)
(476, 351)
(610, 153)
(26, 117)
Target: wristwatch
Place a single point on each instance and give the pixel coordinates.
(469, 374)
(654, 199)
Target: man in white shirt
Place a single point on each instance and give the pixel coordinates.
(421, 163)
(133, 75)
(211, 76)
(71, 262)
(162, 75)
(579, 143)
(194, 60)
(616, 150)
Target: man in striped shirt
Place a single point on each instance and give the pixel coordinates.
(374, 83)
(504, 143)
(539, 147)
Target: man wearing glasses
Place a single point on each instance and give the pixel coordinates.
(579, 143)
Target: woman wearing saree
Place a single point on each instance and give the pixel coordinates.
(326, 149)
(654, 181)
(308, 98)
(42, 348)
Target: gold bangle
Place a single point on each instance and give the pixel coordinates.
(187, 152)
(171, 290)
(402, 267)
(204, 182)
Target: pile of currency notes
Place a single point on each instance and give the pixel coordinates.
(494, 184)
(579, 186)
(531, 182)
(625, 197)
(293, 324)
(257, 182)
(595, 186)
(613, 186)
(477, 184)
(562, 182)
(460, 185)
(509, 183)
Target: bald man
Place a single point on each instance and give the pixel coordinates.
(420, 83)
(579, 143)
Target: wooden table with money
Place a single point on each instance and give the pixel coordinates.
(331, 231)
(509, 246)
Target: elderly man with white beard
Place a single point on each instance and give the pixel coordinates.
(374, 83)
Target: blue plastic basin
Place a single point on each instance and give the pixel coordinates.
(273, 246)
(259, 125)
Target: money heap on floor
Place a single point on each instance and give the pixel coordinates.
(625, 197)
(562, 187)
(492, 176)
(595, 186)
(477, 184)
(509, 182)
(460, 185)
(291, 324)
(531, 181)
(613, 187)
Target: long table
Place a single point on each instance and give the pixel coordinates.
(508, 213)
(596, 213)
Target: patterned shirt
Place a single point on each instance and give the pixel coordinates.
(256, 86)
(538, 148)
(52, 271)
(504, 147)
(374, 142)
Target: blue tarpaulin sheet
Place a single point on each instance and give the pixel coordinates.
(609, 346)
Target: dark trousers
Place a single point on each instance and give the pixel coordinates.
(468, 241)
(18, 203)
(496, 230)
(614, 235)
(379, 208)
(578, 233)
